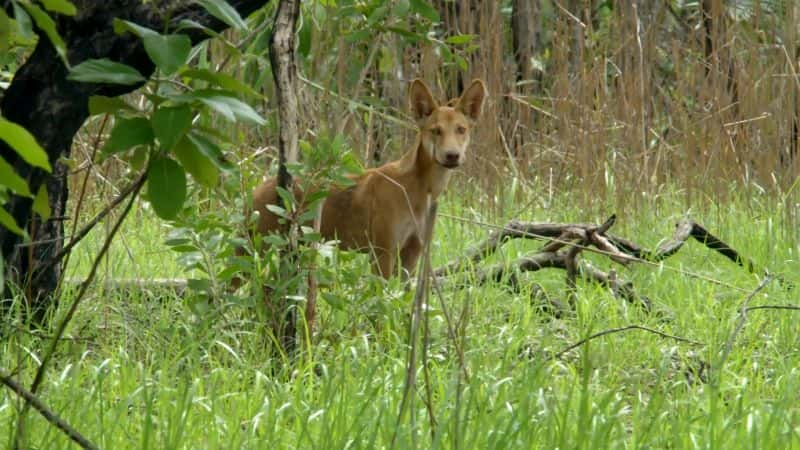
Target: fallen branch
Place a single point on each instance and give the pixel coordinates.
(577, 238)
(620, 330)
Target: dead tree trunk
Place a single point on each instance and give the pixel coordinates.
(284, 70)
(52, 108)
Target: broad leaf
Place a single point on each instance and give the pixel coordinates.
(60, 6)
(223, 11)
(41, 204)
(129, 133)
(24, 144)
(11, 180)
(48, 25)
(225, 104)
(169, 52)
(99, 104)
(424, 9)
(211, 150)
(7, 221)
(222, 80)
(170, 124)
(460, 39)
(123, 26)
(202, 168)
(166, 187)
(5, 39)
(24, 24)
(105, 71)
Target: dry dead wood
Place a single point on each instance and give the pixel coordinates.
(565, 242)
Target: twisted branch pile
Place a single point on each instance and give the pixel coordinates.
(563, 246)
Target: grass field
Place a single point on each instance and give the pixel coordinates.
(153, 370)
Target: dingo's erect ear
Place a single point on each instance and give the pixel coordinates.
(471, 101)
(421, 100)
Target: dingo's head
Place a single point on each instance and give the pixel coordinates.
(444, 130)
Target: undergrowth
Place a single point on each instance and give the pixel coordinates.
(156, 369)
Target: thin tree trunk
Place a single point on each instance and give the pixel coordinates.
(525, 37)
(284, 70)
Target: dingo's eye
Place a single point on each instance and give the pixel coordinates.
(461, 129)
(436, 131)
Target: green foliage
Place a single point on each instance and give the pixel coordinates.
(104, 70)
(46, 23)
(154, 368)
(23, 142)
(13, 181)
(129, 133)
(166, 187)
(170, 124)
(41, 204)
(168, 52)
(224, 12)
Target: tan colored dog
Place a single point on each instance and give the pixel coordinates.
(384, 212)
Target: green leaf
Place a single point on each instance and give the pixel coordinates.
(24, 24)
(460, 39)
(129, 133)
(166, 187)
(169, 52)
(304, 39)
(2, 275)
(409, 35)
(222, 80)
(48, 25)
(359, 35)
(224, 103)
(24, 144)
(170, 124)
(5, 39)
(60, 6)
(99, 104)
(335, 301)
(198, 164)
(122, 26)
(224, 12)
(7, 221)
(211, 150)
(424, 9)
(11, 180)
(105, 71)
(138, 158)
(41, 204)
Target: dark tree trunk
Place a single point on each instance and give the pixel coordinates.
(52, 108)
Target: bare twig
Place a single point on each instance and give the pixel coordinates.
(46, 412)
(740, 323)
(419, 308)
(776, 307)
(620, 330)
(39, 377)
(77, 237)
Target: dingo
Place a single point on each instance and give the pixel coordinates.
(383, 213)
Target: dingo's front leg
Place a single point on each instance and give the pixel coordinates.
(384, 261)
(409, 255)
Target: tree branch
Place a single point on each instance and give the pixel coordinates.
(46, 412)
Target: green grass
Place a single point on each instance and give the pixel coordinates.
(155, 371)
